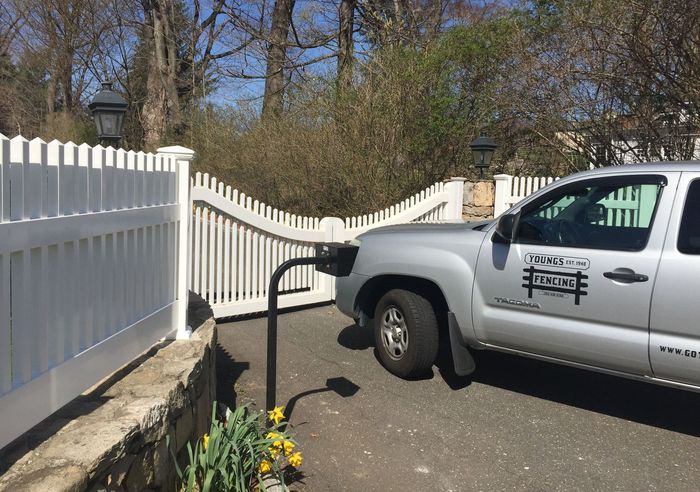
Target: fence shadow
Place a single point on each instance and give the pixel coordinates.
(228, 370)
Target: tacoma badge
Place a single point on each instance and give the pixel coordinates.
(518, 302)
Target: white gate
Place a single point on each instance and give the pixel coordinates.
(237, 243)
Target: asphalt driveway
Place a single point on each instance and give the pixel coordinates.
(517, 424)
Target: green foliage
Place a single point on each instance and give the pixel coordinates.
(66, 127)
(22, 95)
(228, 458)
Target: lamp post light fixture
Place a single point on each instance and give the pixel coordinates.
(482, 150)
(108, 110)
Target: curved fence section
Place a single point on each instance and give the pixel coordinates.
(431, 204)
(237, 242)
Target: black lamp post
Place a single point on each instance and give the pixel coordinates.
(482, 150)
(108, 110)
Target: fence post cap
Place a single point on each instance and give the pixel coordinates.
(177, 150)
(502, 177)
(457, 178)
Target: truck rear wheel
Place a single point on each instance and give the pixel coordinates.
(405, 333)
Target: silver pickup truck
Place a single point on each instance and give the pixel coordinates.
(599, 270)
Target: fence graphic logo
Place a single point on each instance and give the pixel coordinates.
(553, 281)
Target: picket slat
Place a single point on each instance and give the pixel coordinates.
(212, 257)
(219, 257)
(248, 273)
(254, 266)
(227, 261)
(204, 266)
(196, 252)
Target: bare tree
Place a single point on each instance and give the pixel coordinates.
(162, 104)
(616, 82)
(273, 98)
(63, 32)
(346, 26)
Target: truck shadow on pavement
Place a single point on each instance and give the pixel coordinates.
(637, 401)
(641, 402)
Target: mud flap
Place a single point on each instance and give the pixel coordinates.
(463, 360)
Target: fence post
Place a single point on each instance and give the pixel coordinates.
(333, 232)
(502, 193)
(455, 193)
(183, 158)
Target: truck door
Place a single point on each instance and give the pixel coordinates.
(674, 343)
(576, 282)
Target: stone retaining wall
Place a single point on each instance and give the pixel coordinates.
(113, 438)
(478, 200)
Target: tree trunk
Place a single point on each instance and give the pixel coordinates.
(153, 114)
(51, 94)
(162, 106)
(273, 99)
(65, 79)
(346, 17)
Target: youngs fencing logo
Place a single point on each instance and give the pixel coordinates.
(570, 262)
(554, 282)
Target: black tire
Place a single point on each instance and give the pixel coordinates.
(409, 349)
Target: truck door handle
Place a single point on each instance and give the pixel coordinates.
(625, 275)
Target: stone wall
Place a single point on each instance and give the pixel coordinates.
(478, 200)
(113, 437)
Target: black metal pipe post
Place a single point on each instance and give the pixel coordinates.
(271, 394)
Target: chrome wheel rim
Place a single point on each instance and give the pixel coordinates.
(394, 333)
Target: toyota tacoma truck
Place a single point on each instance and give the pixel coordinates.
(599, 270)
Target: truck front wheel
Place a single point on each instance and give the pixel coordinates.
(405, 333)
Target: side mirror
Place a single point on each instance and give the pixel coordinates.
(505, 229)
(595, 213)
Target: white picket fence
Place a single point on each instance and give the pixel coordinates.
(237, 243)
(627, 207)
(90, 248)
(511, 189)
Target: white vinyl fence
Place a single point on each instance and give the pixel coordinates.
(237, 243)
(90, 248)
(626, 207)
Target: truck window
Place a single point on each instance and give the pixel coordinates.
(605, 213)
(689, 235)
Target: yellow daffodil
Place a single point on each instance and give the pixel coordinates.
(275, 415)
(288, 447)
(205, 441)
(295, 459)
(277, 445)
(264, 467)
